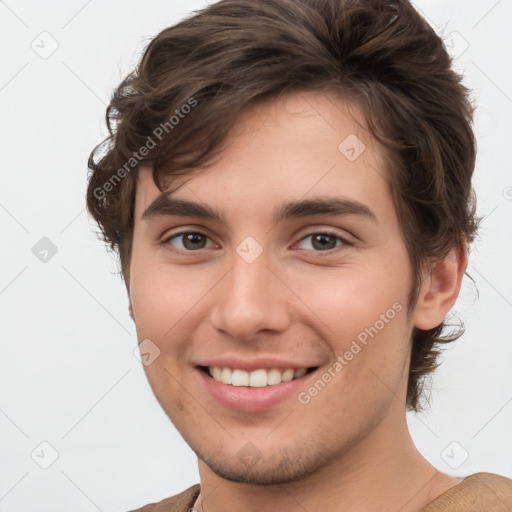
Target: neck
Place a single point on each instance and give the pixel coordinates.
(384, 472)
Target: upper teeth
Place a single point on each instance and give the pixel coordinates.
(255, 379)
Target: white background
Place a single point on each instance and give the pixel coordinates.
(68, 375)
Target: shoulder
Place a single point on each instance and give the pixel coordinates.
(485, 492)
(181, 502)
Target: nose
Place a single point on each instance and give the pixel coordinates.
(250, 298)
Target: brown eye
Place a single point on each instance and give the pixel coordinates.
(190, 241)
(322, 242)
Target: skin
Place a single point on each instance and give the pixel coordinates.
(349, 448)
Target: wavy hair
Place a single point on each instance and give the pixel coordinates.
(175, 111)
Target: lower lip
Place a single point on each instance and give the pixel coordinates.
(248, 399)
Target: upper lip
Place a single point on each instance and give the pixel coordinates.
(256, 363)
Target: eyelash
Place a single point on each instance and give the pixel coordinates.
(344, 241)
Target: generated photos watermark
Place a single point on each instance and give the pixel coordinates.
(139, 155)
(357, 345)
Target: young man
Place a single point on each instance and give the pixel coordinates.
(288, 186)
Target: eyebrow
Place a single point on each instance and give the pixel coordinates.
(166, 205)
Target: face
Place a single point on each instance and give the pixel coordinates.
(289, 260)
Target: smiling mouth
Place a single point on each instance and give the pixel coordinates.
(256, 379)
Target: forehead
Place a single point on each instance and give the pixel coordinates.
(286, 148)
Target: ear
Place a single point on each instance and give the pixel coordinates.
(130, 309)
(126, 278)
(440, 288)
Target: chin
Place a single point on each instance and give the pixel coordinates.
(248, 465)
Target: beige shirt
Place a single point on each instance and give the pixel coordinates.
(481, 492)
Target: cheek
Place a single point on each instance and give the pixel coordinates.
(163, 296)
(350, 298)
(363, 311)
(370, 360)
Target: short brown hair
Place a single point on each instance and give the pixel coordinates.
(380, 54)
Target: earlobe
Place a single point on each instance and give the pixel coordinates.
(440, 289)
